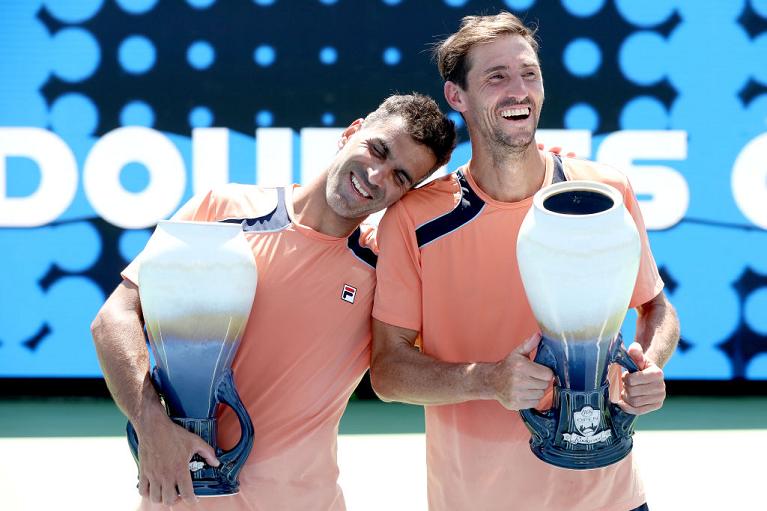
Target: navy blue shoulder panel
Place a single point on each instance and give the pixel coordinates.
(363, 253)
(276, 220)
(559, 170)
(468, 208)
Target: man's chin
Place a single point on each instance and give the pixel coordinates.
(516, 146)
(354, 213)
(517, 143)
(361, 215)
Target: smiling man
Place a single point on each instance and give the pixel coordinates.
(307, 341)
(448, 283)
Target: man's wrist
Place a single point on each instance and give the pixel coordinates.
(150, 411)
(485, 378)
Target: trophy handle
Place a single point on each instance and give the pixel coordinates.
(622, 421)
(132, 441)
(233, 459)
(621, 356)
(542, 425)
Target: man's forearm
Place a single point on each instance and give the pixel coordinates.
(657, 329)
(399, 372)
(409, 376)
(122, 353)
(124, 361)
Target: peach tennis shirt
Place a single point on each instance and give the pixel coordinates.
(303, 352)
(447, 268)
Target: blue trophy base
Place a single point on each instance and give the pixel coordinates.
(583, 461)
(210, 481)
(583, 429)
(207, 481)
(590, 434)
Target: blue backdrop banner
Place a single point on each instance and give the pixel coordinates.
(114, 112)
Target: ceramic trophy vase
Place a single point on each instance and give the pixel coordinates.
(578, 252)
(197, 282)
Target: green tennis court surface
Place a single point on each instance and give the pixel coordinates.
(89, 417)
(70, 454)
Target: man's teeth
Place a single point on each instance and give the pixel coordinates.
(515, 112)
(359, 188)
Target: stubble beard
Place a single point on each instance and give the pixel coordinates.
(505, 147)
(343, 206)
(333, 196)
(517, 144)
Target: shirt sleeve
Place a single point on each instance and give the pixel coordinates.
(398, 272)
(197, 209)
(648, 284)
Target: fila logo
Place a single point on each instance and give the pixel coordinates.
(348, 293)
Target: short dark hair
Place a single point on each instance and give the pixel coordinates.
(424, 122)
(452, 54)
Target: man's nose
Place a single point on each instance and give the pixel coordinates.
(516, 88)
(377, 174)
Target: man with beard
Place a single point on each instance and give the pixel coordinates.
(448, 284)
(305, 348)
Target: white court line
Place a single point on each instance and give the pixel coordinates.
(682, 470)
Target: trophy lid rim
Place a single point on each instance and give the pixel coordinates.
(574, 185)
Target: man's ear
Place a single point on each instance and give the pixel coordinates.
(349, 131)
(455, 96)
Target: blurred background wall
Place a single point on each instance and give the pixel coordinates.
(114, 112)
